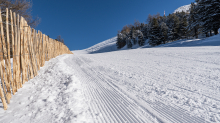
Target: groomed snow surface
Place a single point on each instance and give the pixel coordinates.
(172, 83)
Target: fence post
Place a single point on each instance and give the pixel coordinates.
(23, 66)
(2, 70)
(28, 52)
(47, 48)
(13, 53)
(5, 58)
(19, 67)
(41, 49)
(32, 53)
(8, 58)
(37, 41)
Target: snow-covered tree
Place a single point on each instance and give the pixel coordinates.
(193, 24)
(121, 42)
(208, 14)
(163, 32)
(154, 32)
(183, 24)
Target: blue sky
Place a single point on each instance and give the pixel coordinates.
(83, 23)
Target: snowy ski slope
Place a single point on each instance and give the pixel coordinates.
(177, 82)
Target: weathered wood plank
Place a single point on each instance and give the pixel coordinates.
(2, 70)
(13, 52)
(5, 58)
(37, 50)
(33, 34)
(8, 59)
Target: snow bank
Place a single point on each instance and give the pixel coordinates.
(55, 95)
(209, 41)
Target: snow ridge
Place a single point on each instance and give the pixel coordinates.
(185, 8)
(105, 46)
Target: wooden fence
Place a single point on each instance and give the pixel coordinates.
(29, 50)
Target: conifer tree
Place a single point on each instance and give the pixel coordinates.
(129, 38)
(176, 26)
(183, 25)
(193, 22)
(163, 32)
(120, 40)
(211, 15)
(154, 31)
(170, 25)
(144, 31)
(141, 40)
(208, 14)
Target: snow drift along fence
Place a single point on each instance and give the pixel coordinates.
(29, 50)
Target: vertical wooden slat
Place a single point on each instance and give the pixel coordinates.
(13, 53)
(23, 62)
(37, 50)
(8, 95)
(8, 59)
(53, 51)
(46, 48)
(41, 49)
(3, 73)
(29, 36)
(2, 79)
(43, 46)
(2, 70)
(19, 57)
(33, 51)
(53, 45)
(28, 52)
(51, 48)
(33, 55)
(34, 43)
(55, 48)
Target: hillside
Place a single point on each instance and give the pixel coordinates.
(105, 46)
(172, 83)
(185, 8)
(110, 44)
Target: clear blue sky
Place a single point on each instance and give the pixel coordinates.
(83, 23)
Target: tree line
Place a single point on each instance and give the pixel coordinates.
(203, 19)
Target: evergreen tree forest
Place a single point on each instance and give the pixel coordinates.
(202, 20)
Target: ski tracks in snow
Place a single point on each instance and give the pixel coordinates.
(110, 103)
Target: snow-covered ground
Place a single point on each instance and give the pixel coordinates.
(185, 8)
(105, 46)
(54, 96)
(174, 82)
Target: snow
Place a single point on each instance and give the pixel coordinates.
(170, 83)
(55, 95)
(185, 8)
(105, 46)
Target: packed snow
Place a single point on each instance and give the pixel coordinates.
(170, 83)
